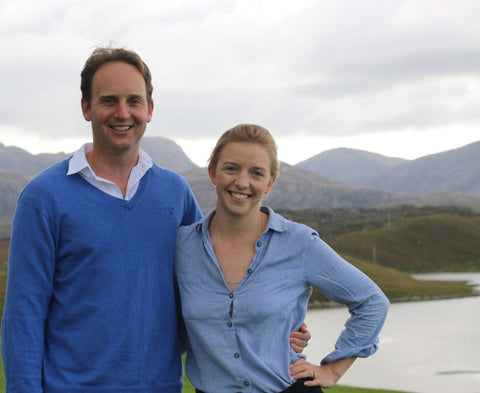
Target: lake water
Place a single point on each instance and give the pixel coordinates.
(425, 347)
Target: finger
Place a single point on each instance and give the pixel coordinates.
(304, 329)
(313, 383)
(302, 374)
(305, 336)
(296, 348)
(298, 341)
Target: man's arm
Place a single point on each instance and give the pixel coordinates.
(29, 289)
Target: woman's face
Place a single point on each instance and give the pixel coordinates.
(242, 177)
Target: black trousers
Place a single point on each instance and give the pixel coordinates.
(297, 387)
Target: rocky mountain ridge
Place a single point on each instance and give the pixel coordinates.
(374, 180)
(453, 170)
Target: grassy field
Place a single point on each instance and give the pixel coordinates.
(440, 242)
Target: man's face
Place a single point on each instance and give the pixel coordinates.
(119, 110)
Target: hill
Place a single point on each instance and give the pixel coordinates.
(15, 159)
(296, 188)
(407, 238)
(163, 151)
(349, 165)
(431, 243)
(400, 286)
(300, 189)
(167, 154)
(455, 170)
(17, 166)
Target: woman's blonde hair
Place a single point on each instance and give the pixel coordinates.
(247, 133)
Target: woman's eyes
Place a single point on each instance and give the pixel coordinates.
(254, 173)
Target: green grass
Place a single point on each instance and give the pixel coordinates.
(440, 242)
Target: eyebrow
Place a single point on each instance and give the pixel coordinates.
(236, 164)
(115, 97)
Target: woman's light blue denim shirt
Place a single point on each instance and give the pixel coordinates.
(250, 350)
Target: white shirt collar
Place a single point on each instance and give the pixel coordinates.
(79, 164)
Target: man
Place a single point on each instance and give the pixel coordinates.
(90, 304)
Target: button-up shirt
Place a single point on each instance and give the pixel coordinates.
(249, 350)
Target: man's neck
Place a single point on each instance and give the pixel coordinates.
(116, 169)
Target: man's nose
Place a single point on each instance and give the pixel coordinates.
(122, 111)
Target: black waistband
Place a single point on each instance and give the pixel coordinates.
(297, 387)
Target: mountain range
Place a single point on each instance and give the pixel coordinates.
(452, 170)
(335, 178)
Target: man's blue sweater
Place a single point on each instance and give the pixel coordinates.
(90, 304)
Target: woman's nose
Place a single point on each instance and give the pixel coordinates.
(242, 180)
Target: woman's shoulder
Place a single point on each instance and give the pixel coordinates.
(281, 223)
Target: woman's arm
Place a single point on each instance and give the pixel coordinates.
(324, 376)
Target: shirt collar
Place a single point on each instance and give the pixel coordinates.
(275, 221)
(78, 162)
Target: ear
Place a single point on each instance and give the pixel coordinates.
(270, 185)
(212, 174)
(85, 110)
(150, 111)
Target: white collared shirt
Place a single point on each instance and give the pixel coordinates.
(79, 164)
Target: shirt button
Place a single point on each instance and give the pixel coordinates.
(237, 355)
(250, 271)
(229, 324)
(259, 243)
(246, 383)
(231, 295)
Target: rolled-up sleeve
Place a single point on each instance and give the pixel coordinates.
(343, 283)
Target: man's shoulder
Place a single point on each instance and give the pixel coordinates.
(162, 176)
(53, 174)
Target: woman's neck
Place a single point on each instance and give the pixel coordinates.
(238, 228)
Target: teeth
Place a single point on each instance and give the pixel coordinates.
(122, 128)
(239, 196)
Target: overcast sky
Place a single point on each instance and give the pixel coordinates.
(396, 77)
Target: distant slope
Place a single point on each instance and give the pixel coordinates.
(164, 152)
(349, 165)
(400, 286)
(300, 189)
(297, 188)
(17, 166)
(439, 242)
(28, 165)
(456, 170)
(167, 154)
(453, 170)
(11, 184)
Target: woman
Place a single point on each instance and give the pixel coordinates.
(245, 275)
